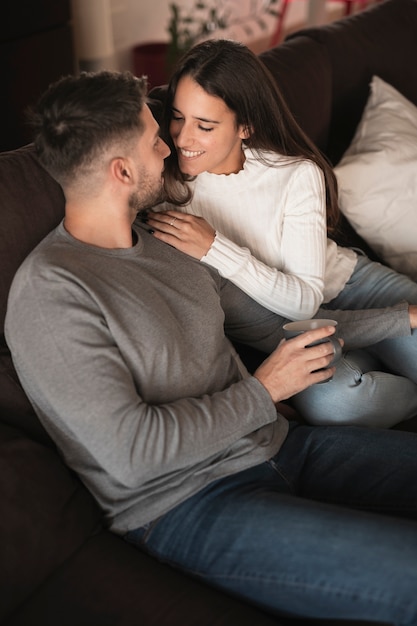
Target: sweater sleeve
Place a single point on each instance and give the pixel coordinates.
(253, 325)
(291, 283)
(85, 393)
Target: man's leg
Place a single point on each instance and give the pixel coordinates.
(263, 534)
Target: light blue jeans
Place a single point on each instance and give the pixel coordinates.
(384, 375)
(325, 529)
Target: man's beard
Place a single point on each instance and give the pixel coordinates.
(149, 193)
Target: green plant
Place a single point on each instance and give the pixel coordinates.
(187, 27)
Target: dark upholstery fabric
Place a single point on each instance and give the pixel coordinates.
(384, 43)
(306, 87)
(110, 583)
(15, 408)
(46, 516)
(31, 204)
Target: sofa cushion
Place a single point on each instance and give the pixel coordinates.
(377, 177)
(381, 41)
(31, 204)
(111, 583)
(46, 515)
(15, 408)
(306, 87)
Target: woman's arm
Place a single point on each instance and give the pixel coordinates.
(270, 241)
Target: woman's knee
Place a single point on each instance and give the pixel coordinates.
(357, 396)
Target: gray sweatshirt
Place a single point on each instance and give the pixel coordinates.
(124, 357)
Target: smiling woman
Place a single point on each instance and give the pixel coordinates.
(204, 132)
(255, 199)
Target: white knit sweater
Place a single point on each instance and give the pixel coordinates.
(271, 234)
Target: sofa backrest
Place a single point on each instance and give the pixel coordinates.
(31, 204)
(325, 73)
(380, 41)
(302, 70)
(342, 57)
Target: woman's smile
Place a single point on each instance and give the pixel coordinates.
(189, 154)
(205, 132)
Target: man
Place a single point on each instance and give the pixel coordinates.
(119, 341)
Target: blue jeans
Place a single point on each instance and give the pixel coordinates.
(383, 375)
(325, 529)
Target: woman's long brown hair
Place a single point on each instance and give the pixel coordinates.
(229, 70)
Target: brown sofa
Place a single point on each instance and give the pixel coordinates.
(59, 565)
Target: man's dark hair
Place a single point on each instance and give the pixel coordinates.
(79, 117)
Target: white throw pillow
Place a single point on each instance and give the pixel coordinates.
(377, 177)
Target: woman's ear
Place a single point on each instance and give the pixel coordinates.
(245, 132)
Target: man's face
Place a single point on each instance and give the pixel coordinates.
(152, 151)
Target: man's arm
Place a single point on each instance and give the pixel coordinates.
(132, 425)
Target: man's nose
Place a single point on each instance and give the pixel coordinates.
(165, 149)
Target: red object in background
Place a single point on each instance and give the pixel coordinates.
(150, 59)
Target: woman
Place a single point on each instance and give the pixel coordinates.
(252, 196)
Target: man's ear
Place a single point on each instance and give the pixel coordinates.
(121, 170)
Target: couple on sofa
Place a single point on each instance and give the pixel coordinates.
(122, 345)
(259, 202)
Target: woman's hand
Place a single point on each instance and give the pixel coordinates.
(188, 233)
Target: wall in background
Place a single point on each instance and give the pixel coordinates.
(145, 21)
(139, 21)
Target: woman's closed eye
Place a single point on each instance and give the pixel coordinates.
(179, 119)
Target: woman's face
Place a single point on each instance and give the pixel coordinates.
(204, 132)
